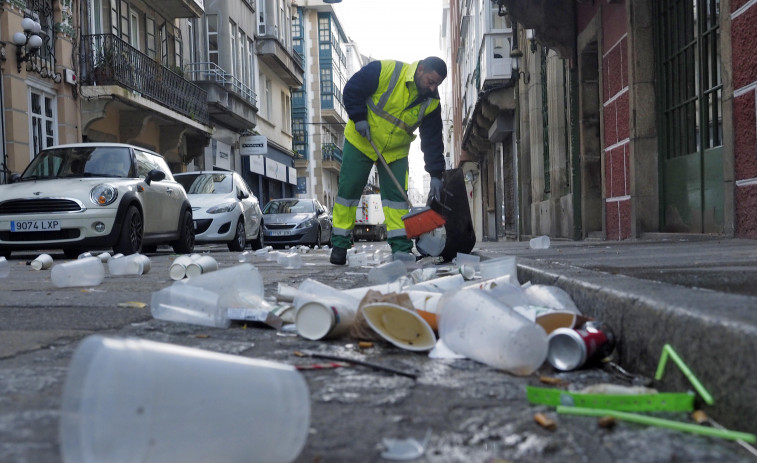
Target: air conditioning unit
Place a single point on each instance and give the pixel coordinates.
(70, 77)
(261, 29)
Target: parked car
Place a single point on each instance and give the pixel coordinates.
(224, 209)
(293, 221)
(88, 196)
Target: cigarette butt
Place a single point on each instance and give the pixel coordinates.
(550, 380)
(202, 336)
(700, 417)
(546, 423)
(364, 344)
(606, 422)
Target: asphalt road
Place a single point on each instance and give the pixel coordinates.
(471, 413)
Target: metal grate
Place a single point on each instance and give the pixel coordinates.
(41, 205)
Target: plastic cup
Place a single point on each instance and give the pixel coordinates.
(319, 317)
(133, 264)
(42, 262)
(386, 273)
(474, 324)
(467, 259)
(440, 285)
(401, 326)
(201, 264)
(88, 271)
(246, 256)
(178, 269)
(5, 267)
(104, 257)
(290, 260)
(359, 259)
(498, 267)
(551, 297)
(540, 242)
(237, 286)
(184, 303)
(127, 400)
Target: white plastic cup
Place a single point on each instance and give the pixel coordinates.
(386, 273)
(126, 400)
(184, 303)
(551, 297)
(88, 271)
(290, 260)
(178, 269)
(201, 264)
(319, 317)
(84, 254)
(245, 256)
(540, 242)
(474, 324)
(440, 285)
(237, 286)
(42, 262)
(104, 257)
(133, 264)
(498, 267)
(5, 267)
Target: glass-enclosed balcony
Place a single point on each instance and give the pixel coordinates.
(332, 157)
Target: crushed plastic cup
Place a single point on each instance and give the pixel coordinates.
(88, 271)
(126, 400)
(540, 242)
(133, 264)
(386, 273)
(422, 274)
(200, 264)
(358, 259)
(42, 262)
(178, 269)
(551, 297)
(5, 267)
(432, 243)
(474, 324)
(467, 259)
(499, 266)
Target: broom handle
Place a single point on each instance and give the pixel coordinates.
(391, 175)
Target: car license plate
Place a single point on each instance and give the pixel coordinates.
(34, 225)
(279, 232)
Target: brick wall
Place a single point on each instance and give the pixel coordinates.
(616, 139)
(743, 39)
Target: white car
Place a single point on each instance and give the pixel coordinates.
(224, 209)
(91, 196)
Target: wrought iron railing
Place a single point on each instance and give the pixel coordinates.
(108, 60)
(331, 152)
(211, 72)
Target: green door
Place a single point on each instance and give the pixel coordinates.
(690, 115)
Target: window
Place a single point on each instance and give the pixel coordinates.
(134, 28)
(234, 49)
(150, 41)
(43, 124)
(286, 113)
(250, 63)
(268, 98)
(192, 38)
(327, 92)
(144, 163)
(212, 38)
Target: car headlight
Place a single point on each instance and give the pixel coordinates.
(103, 194)
(221, 208)
(307, 224)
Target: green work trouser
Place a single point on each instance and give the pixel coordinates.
(353, 176)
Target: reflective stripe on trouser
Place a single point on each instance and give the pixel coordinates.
(356, 167)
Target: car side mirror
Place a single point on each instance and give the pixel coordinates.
(155, 175)
(15, 178)
(243, 195)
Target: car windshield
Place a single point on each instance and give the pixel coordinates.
(206, 184)
(87, 161)
(288, 206)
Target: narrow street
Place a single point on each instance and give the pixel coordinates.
(470, 412)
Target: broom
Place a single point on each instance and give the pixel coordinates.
(419, 220)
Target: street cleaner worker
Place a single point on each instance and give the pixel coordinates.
(386, 101)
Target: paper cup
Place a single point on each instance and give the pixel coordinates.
(42, 262)
(178, 269)
(127, 400)
(322, 317)
(200, 265)
(400, 326)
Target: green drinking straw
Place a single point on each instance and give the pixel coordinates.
(660, 422)
(667, 350)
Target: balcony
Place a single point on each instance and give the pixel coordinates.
(106, 60)
(180, 8)
(230, 102)
(332, 157)
(289, 66)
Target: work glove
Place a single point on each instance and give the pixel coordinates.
(435, 190)
(363, 129)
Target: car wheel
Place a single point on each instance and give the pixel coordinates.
(239, 241)
(258, 243)
(186, 242)
(130, 240)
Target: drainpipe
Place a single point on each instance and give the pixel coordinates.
(575, 134)
(4, 165)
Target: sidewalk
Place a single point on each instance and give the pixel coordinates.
(696, 293)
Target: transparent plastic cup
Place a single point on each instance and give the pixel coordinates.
(88, 271)
(290, 260)
(358, 259)
(474, 324)
(133, 264)
(245, 256)
(551, 297)
(194, 305)
(440, 285)
(238, 286)
(540, 242)
(499, 266)
(42, 262)
(5, 267)
(127, 400)
(201, 264)
(386, 273)
(467, 259)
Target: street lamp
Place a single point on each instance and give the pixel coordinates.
(27, 42)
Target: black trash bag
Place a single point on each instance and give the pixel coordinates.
(453, 206)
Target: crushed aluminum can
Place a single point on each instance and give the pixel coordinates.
(571, 348)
